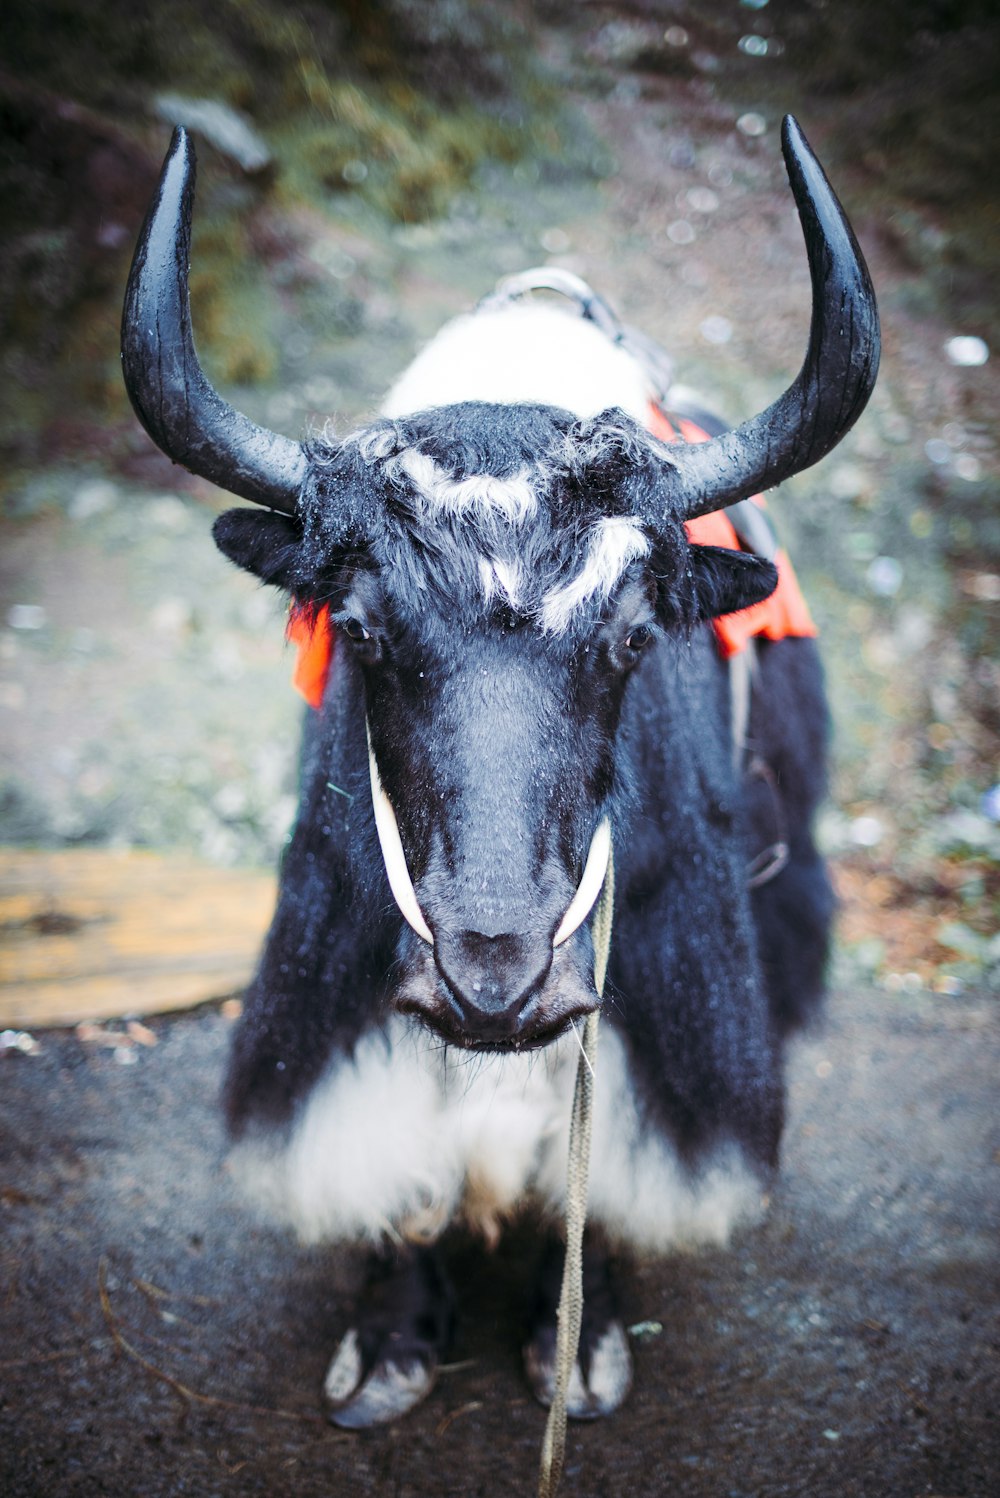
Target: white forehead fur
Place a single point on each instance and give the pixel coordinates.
(502, 577)
(613, 544)
(528, 352)
(513, 498)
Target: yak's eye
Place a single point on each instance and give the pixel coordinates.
(638, 638)
(355, 630)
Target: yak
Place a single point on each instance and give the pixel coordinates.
(521, 672)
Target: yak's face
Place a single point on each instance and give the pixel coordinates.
(496, 747)
(497, 596)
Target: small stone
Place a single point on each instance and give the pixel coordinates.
(92, 499)
(885, 577)
(229, 131)
(141, 1034)
(751, 123)
(27, 616)
(555, 241)
(717, 330)
(866, 832)
(18, 1041)
(967, 351)
(644, 1331)
(702, 199)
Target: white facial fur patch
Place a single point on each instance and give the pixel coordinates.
(613, 544)
(375, 446)
(411, 1135)
(497, 576)
(512, 499)
(527, 352)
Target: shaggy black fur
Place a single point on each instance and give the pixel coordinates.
(705, 979)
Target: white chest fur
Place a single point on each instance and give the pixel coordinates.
(408, 1136)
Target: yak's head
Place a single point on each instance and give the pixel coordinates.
(496, 574)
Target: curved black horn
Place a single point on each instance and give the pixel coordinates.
(832, 388)
(169, 392)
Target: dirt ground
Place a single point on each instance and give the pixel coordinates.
(157, 1339)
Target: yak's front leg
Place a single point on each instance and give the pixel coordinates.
(387, 1362)
(602, 1373)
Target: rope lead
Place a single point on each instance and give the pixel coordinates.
(570, 1313)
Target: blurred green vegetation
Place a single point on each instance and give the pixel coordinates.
(392, 107)
(388, 106)
(390, 123)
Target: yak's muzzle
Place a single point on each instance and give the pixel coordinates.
(405, 895)
(492, 990)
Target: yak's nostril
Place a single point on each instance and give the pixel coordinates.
(492, 978)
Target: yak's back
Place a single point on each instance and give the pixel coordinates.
(526, 353)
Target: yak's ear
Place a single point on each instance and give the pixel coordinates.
(726, 581)
(262, 541)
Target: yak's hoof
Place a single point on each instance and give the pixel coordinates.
(601, 1376)
(602, 1373)
(374, 1390)
(388, 1362)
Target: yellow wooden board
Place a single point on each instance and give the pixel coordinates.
(90, 933)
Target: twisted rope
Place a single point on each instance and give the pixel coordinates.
(570, 1313)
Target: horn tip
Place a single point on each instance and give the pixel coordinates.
(794, 146)
(182, 152)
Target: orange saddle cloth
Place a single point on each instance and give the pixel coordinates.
(785, 613)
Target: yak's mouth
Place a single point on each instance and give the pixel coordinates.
(535, 1038)
(591, 881)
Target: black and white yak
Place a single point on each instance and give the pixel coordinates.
(524, 669)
